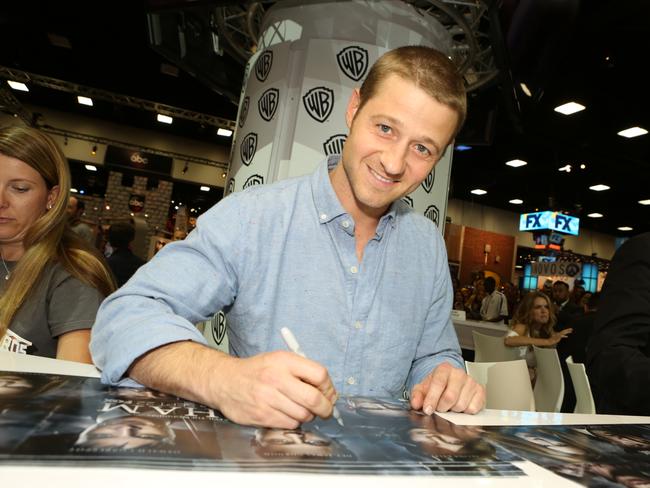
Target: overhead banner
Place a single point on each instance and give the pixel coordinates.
(558, 268)
(138, 160)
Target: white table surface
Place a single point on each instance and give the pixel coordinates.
(71, 477)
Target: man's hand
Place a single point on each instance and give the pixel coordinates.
(277, 389)
(448, 388)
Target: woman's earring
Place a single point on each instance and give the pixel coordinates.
(49, 206)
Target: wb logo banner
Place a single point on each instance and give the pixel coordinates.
(334, 145)
(319, 102)
(248, 148)
(353, 61)
(253, 180)
(219, 327)
(231, 186)
(268, 103)
(427, 184)
(432, 213)
(408, 200)
(263, 65)
(244, 111)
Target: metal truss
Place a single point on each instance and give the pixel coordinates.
(113, 142)
(468, 22)
(115, 98)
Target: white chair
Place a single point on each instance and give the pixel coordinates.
(507, 384)
(584, 398)
(549, 382)
(490, 349)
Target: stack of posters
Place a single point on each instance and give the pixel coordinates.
(54, 419)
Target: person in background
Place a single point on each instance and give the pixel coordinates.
(51, 281)
(532, 325)
(618, 353)
(335, 255)
(566, 310)
(494, 307)
(122, 261)
(76, 209)
(547, 288)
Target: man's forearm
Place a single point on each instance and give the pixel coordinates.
(185, 369)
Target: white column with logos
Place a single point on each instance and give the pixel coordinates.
(310, 57)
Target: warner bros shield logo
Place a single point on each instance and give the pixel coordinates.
(408, 200)
(248, 148)
(263, 65)
(334, 145)
(231, 186)
(268, 103)
(219, 327)
(432, 214)
(244, 111)
(427, 184)
(353, 62)
(319, 103)
(253, 180)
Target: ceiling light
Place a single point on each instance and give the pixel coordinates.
(515, 163)
(205, 188)
(595, 215)
(583, 166)
(17, 85)
(90, 167)
(566, 168)
(478, 191)
(85, 100)
(625, 228)
(462, 147)
(224, 132)
(93, 150)
(165, 119)
(645, 202)
(516, 201)
(633, 132)
(599, 187)
(569, 108)
(525, 89)
(73, 190)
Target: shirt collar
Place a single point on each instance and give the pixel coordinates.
(328, 206)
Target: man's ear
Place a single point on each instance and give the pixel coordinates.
(52, 195)
(353, 106)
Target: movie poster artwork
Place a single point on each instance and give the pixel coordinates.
(592, 455)
(53, 419)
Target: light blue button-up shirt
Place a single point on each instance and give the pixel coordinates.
(283, 255)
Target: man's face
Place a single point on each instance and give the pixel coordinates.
(623, 440)
(125, 433)
(395, 140)
(72, 208)
(10, 384)
(294, 442)
(433, 441)
(560, 293)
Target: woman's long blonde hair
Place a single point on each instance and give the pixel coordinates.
(524, 315)
(49, 239)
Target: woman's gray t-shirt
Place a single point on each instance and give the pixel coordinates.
(59, 303)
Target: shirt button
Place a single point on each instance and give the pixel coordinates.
(323, 216)
(345, 224)
(358, 325)
(351, 380)
(353, 269)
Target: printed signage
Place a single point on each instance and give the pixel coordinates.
(138, 160)
(558, 268)
(549, 220)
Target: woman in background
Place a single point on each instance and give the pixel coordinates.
(51, 282)
(532, 325)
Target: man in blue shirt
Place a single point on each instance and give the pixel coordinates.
(336, 256)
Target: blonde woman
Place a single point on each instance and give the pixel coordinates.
(51, 282)
(532, 325)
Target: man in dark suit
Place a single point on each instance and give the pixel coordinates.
(566, 310)
(618, 354)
